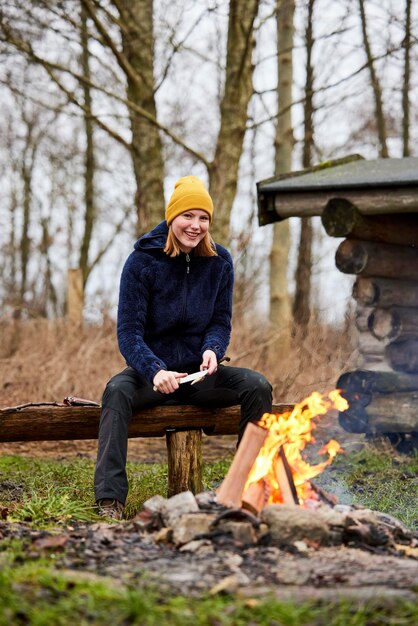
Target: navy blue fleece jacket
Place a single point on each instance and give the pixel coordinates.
(172, 309)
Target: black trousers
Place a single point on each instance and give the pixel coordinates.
(129, 392)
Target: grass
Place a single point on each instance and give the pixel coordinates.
(379, 479)
(35, 593)
(48, 492)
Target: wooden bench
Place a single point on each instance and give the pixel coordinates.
(182, 425)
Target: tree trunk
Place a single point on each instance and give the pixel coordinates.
(280, 307)
(375, 83)
(138, 46)
(56, 423)
(406, 80)
(301, 303)
(89, 161)
(223, 173)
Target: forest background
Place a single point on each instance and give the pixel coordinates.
(105, 103)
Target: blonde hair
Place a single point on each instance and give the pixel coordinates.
(205, 247)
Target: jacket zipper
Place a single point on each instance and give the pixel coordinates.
(185, 288)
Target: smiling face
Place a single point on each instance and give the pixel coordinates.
(190, 227)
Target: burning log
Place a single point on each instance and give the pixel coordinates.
(285, 479)
(231, 490)
(260, 469)
(255, 497)
(395, 323)
(377, 259)
(386, 292)
(403, 355)
(341, 218)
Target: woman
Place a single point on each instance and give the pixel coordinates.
(174, 318)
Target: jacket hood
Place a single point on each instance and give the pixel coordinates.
(156, 238)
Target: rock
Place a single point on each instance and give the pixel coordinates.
(343, 508)
(229, 584)
(188, 526)
(201, 546)
(233, 561)
(177, 506)
(242, 532)
(290, 524)
(206, 499)
(165, 535)
(301, 546)
(331, 516)
(155, 504)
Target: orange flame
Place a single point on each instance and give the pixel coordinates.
(293, 430)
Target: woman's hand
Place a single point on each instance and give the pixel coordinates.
(209, 362)
(167, 382)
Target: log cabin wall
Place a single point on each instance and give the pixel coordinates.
(373, 205)
(382, 252)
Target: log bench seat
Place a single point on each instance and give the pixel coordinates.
(182, 425)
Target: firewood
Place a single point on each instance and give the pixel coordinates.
(377, 259)
(385, 292)
(341, 218)
(254, 498)
(285, 479)
(231, 490)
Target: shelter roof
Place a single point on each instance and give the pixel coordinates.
(343, 177)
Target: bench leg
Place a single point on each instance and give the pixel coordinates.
(184, 452)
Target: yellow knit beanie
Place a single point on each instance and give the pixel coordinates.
(189, 193)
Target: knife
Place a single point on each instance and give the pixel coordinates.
(193, 378)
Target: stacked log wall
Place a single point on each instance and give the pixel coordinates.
(382, 252)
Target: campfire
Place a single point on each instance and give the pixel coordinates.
(268, 467)
(268, 498)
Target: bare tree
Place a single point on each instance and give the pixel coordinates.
(136, 27)
(375, 83)
(280, 306)
(406, 80)
(223, 171)
(89, 160)
(301, 303)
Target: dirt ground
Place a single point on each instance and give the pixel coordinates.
(150, 450)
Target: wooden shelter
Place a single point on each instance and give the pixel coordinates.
(374, 206)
